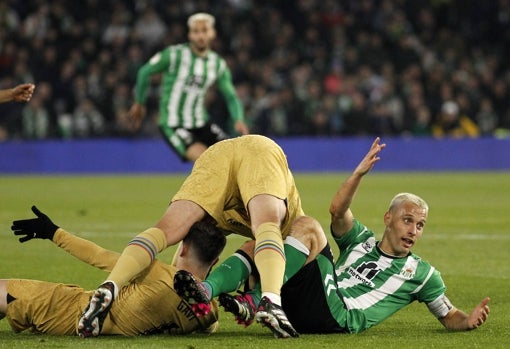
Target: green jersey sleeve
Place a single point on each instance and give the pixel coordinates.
(156, 64)
(227, 89)
(433, 287)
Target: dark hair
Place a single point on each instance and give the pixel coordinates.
(207, 240)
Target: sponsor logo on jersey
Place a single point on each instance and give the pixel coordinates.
(367, 246)
(194, 83)
(365, 272)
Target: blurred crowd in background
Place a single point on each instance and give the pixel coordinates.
(436, 68)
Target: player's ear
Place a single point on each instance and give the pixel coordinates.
(212, 34)
(183, 250)
(387, 218)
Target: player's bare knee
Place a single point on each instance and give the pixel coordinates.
(309, 232)
(265, 208)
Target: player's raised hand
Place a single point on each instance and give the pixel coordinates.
(34, 228)
(370, 158)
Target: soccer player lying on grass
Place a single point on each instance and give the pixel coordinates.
(370, 281)
(146, 305)
(245, 186)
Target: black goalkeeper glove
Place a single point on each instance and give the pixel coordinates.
(35, 228)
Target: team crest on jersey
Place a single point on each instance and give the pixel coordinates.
(409, 270)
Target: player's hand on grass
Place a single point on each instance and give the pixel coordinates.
(479, 315)
(34, 228)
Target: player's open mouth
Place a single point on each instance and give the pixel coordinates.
(408, 242)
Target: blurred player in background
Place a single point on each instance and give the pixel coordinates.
(189, 70)
(20, 93)
(370, 281)
(245, 186)
(454, 123)
(146, 305)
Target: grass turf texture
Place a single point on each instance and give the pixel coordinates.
(466, 238)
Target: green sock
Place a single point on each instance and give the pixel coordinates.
(295, 254)
(229, 275)
(255, 294)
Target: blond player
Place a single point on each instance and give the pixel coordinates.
(188, 71)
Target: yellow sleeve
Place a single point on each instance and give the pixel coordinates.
(85, 250)
(469, 127)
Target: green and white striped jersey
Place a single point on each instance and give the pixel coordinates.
(186, 79)
(373, 285)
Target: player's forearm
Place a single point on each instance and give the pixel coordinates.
(342, 219)
(343, 198)
(236, 112)
(85, 250)
(234, 105)
(142, 84)
(6, 95)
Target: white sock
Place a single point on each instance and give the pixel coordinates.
(273, 297)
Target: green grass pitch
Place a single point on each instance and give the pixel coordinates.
(467, 238)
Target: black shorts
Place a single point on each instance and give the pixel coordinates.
(304, 298)
(180, 139)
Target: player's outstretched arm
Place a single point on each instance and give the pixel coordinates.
(458, 320)
(43, 227)
(341, 215)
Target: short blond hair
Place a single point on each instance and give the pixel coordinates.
(401, 198)
(201, 16)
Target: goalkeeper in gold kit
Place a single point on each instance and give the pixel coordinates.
(146, 305)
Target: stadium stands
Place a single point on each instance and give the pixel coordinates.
(302, 68)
